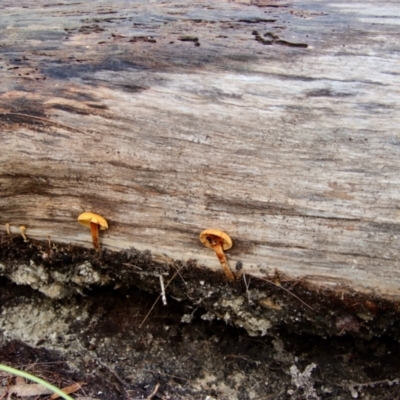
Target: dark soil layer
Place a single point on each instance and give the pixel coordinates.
(102, 329)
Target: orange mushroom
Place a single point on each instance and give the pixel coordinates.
(95, 222)
(218, 241)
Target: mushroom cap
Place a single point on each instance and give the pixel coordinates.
(226, 241)
(88, 217)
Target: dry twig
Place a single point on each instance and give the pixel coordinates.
(153, 393)
(158, 298)
(163, 373)
(289, 292)
(247, 286)
(68, 390)
(163, 296)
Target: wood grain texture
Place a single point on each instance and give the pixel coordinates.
(276, 122)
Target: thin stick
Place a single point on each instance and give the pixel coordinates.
(163, 296)
(32, 366)
(158, 298)
(247, 286)
(182, 278)
(131, 265)
(68, 390)
(270, 396)
(382, 382)
(153, 393)
(288, 291)
(367, 384)
(163, 373)
(105, 365)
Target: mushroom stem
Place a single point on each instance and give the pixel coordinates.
(8, 229)
(94, 228)
(222, 259)
(22, 230)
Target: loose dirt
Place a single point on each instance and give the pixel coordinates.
(72, 315)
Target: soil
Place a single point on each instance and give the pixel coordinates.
(73, 315)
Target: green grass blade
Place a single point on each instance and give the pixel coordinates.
(35, 379)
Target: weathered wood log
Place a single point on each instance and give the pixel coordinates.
(278, 123)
